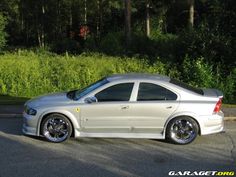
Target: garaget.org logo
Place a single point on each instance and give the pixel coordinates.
(201, 173)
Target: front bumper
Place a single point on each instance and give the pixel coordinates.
(212, 124)
(29, 124)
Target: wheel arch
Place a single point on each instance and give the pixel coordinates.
(192, 116)
(66, 114)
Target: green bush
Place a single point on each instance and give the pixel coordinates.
(228, 86)
(67, 45)
(28, 74)
(197, 72)
(200, 73)
(2, 32)
(201, 42)
(112, 44)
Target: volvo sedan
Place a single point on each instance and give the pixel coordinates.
(127, 106)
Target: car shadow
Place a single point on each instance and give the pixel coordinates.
(11, 126)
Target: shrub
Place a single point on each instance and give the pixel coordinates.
(67, 45)
(112, 44)
(201, 42)
(197, 72)
(228, 86)
(2, 32)
(28, 74)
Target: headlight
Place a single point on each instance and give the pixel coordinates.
(30, 111)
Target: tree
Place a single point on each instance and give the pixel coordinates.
(128, 22)
(191, 13)
(2, 31)
(147, 18)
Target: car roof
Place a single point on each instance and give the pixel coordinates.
(138, 76)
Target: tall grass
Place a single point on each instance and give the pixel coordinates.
(28, 74)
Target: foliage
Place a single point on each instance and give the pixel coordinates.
(52, 73)
(228, 86)
(66, 45)
(2, 31)
(112, 44)
(198, 72)
(203, 56)
(202, 42)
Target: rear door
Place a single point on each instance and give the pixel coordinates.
(153, 106)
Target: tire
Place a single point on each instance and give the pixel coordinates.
(56, 128)
(182, 130)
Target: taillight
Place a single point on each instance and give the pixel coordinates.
(218, 105)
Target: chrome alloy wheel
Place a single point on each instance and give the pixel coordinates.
(183, 131)
(56, 128)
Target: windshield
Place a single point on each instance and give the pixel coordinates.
(80, 93)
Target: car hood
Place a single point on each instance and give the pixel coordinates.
(54, 99)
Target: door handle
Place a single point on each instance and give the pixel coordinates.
(168, 107)
(124, 107)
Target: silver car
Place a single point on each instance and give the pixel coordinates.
(127, 106)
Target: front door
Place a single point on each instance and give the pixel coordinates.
(110, 113)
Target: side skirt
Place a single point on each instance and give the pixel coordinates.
(119, 135)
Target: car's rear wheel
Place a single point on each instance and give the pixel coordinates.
(182, 130)
(56, 128)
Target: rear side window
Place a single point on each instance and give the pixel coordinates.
(153, 92)
(119, 92)
(187, 87)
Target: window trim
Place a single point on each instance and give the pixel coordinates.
(158, 84)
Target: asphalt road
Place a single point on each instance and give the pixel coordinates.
(24, 156)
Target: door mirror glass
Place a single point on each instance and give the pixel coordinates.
(91, 99)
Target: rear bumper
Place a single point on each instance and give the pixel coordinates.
(212, 124)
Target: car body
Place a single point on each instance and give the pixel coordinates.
(127, 106)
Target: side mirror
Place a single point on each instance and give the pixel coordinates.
(92, 99)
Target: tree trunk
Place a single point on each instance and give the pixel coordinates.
(85, 12)
(85, 17)
(147, 18)
(98, 18)
(71, 15)
(191, 13)
(42, 35)
(128, 22)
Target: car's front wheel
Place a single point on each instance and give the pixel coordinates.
(56, 128)
(182, 130)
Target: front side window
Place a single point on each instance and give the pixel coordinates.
(119, 92)
(153, 92)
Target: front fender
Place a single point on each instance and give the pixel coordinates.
(68, 114)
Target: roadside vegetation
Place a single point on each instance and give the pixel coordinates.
(28, 74)
(51, 46)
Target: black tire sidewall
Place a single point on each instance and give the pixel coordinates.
(61, 117)
(168, 129)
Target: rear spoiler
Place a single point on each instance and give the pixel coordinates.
(212, 93)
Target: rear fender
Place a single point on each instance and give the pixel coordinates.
(183, 114)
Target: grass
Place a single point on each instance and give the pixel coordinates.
(26, 74)
(229, 105)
